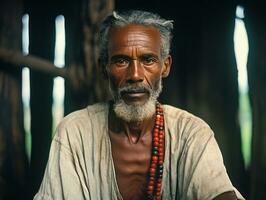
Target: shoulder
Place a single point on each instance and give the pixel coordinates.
(81, 124)
(185, 126)
(84, 115)
(183, 119)
(177, 113)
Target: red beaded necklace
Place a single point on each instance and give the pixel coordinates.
(157, 158)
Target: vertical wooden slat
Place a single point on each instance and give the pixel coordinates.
(82, 24)
(13, 161)
(41, 43)
(94, 12)
(76, 94)
(255, 20)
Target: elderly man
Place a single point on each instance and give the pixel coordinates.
(133, 147)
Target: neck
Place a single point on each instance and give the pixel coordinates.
(133, 130)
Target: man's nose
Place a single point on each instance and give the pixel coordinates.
(135, 72)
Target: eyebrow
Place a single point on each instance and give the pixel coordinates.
(149, 55)
(121, 56)
(130, 58)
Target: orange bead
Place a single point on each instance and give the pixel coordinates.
(153, 165)
(151, 183)
(152, 170)
(152, 174)
(158, 194)
(149, 192)
(150, 187)
(154, 158)
(156, 144)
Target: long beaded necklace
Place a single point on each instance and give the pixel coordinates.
(157, 158)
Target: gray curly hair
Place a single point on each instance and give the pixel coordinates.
(135, 17)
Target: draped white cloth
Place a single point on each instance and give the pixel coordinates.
(81, 167)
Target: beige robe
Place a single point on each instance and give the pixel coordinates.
(81, 166)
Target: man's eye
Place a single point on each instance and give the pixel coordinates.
(148, 60)
(121, 62)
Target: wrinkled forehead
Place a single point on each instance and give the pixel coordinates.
(134, 35)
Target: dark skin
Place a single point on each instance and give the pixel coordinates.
(131, 155)
(134, 56)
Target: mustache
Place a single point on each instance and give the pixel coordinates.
(136, 87)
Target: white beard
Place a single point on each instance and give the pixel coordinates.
(136, 113)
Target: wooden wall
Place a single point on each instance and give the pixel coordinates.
(13, 163)
(256, 28)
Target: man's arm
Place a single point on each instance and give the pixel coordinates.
(202, 162)
(226, 196)
(61, 179)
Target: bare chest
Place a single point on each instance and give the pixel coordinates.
(131, 162)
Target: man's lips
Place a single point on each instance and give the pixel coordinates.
(134, 93)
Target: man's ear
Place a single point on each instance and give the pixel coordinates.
(166, 66)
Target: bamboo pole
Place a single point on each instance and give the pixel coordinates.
(16, 58)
